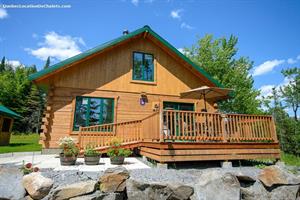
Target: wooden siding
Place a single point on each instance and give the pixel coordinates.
(177, 152)
(112, 71)
(109, 74)
(58, 117)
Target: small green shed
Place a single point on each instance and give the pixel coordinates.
(7, 117)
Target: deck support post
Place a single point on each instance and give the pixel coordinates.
(226, 164)
(161, 133)
(162, 165)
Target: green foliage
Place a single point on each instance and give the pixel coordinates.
(218, 58)
(2, 64)
(47, 64)
(291, 91)
(90, 151)
(20, 95)
(287, 128)
(22, 143)
(116, 150)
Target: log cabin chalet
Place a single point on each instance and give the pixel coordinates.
(131, 88)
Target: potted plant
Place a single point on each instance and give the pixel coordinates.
(116, 153)
(91, 156)
(69, 153)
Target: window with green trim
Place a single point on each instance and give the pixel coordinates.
(143, 66)
(92, 111)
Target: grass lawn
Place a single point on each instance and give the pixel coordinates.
(22, 143)
(290, 159)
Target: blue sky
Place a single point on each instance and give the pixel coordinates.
(268, 31)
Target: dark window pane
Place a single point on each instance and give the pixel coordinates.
(6, 125)
(137, 66)
(95, 112)
(148, 72)
(81, 113)
(107, 113)
(143, 67)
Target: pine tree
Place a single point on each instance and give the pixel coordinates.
(47, 64)
(2, 64)
(218, 58)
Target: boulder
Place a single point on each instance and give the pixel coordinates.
(181, 191)
(274, 175)
(255, 192)
(74, 190)
(158, 191)
(11, 184)
(101, 196)
(284, 192)
(37, 185)
(114, 180)
(218, 187)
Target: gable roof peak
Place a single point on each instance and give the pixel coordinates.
(145, 28)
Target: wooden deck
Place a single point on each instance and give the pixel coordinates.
(172, 136)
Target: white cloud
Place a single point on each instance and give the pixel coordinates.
(14, 63)
(266, 67)
(187, 26)
(58, 47)
(291, 61)
(176, 14)
(181, 50)
(135, 2)
(266, 90)
(298, 57)
(3, 13)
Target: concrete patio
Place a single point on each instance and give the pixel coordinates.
(52, 161)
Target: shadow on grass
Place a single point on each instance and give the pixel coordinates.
(17, 144)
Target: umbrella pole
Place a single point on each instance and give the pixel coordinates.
(205, 111)
(204, 102)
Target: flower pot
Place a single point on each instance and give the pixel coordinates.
(92, 160)
(67, 160)
(118, 160)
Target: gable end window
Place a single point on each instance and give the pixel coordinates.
(92, 111)
(143, 67)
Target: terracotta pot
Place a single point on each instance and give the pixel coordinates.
(92, 160)
(118, 160)
(67, 160)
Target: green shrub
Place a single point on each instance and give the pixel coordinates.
(116, 150)
(90, 151)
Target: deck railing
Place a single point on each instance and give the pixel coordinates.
(172, 125)
(127, 132)
(101, 135)
(202, 126)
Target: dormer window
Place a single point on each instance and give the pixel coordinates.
(143, 67)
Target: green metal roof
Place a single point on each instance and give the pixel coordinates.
(87, 53)
(7, 112)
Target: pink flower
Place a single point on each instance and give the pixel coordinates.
(28, 165)
(36, 169)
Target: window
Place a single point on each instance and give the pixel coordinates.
(6, 125)
(178, 106)
(143, 67)
(91, 111)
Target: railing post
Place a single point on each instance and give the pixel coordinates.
(223, 116)
(273, 128)
(79, 138)
(161, 133)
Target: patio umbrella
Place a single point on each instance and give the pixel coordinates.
(205, 92)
